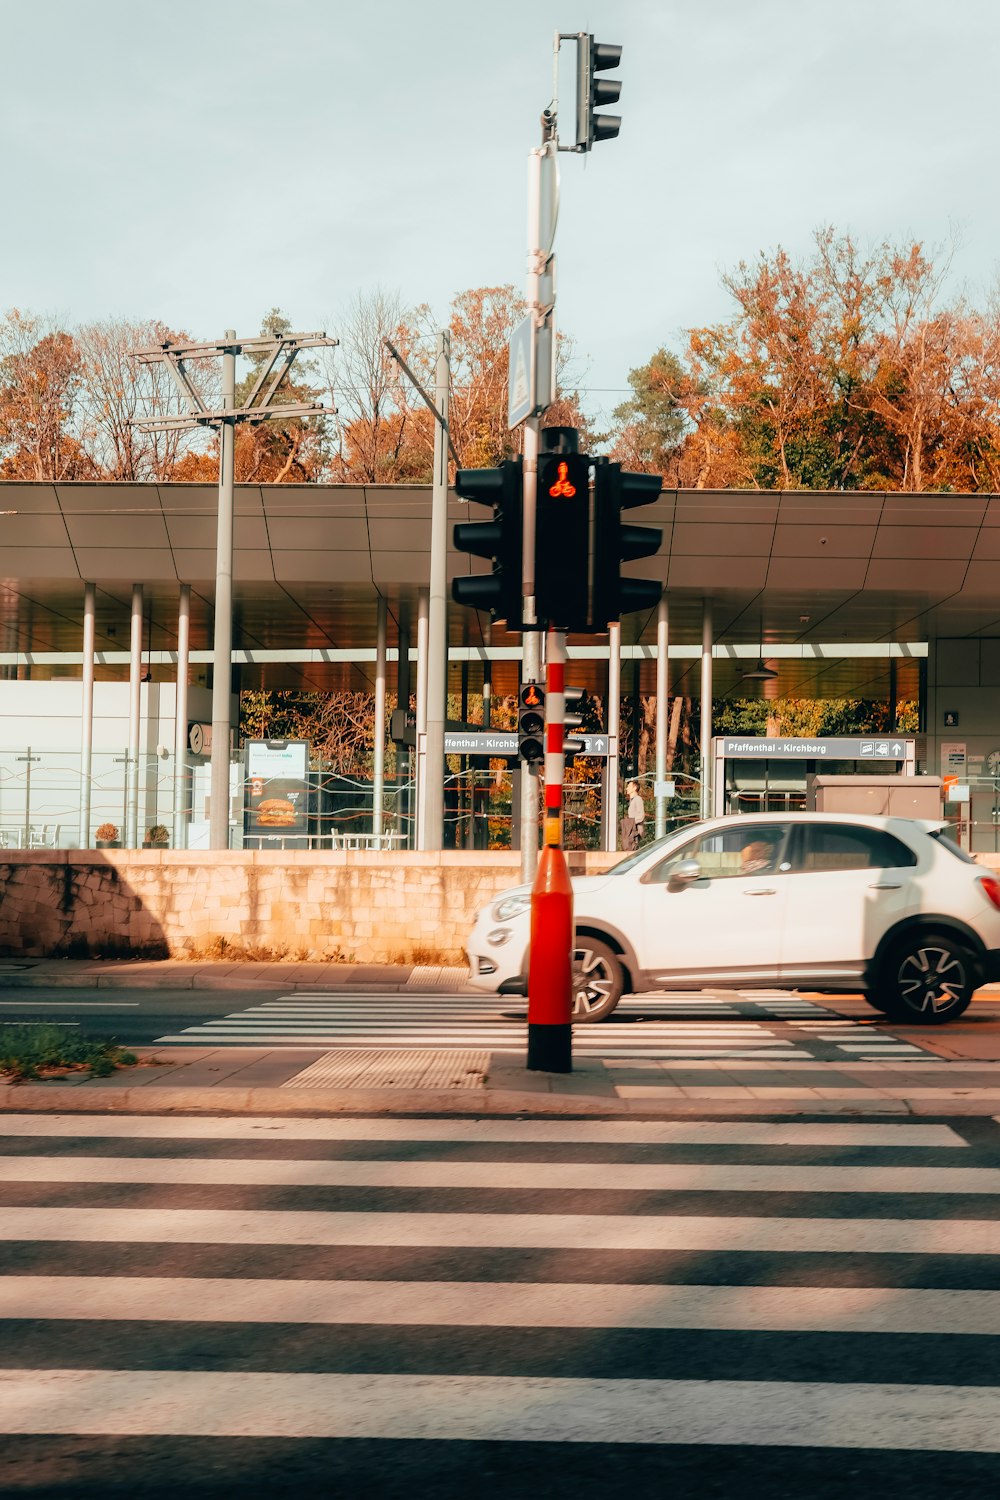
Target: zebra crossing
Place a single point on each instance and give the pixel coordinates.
(737, 1025)
(393, 1306)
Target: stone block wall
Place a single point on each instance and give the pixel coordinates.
(364, 907)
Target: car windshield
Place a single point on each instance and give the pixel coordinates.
(660, 846)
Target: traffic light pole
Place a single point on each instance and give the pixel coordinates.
(437, 612)
(540, 298)
(550, 962)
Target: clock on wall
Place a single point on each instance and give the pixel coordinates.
(993, 763)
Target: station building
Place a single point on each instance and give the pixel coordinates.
(839, 595)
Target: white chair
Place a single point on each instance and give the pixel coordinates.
(45, 837)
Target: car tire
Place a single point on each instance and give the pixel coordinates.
(598, 980)
(927, 979)
(877, 1000)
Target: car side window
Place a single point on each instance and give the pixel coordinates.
(839, 846)
(728, 853)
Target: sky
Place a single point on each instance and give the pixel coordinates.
(203, 162)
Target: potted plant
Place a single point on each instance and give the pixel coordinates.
(108, 836)
(157, 837)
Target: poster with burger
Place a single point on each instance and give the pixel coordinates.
(277, 787)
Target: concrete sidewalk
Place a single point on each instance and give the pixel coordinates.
(188, 974)
(420, 1081)
(959, 1073)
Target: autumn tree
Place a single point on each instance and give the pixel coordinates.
(384, 433)
(40, 382)
(114, 389)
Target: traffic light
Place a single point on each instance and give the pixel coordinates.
(531, 723)
(594, 57)
(572, 744)
(616, 542)
(562, 539)
(500, 540)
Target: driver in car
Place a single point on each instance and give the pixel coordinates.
(756, 856)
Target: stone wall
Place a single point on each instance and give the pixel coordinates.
(363, 907)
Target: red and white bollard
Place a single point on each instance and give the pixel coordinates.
(550, 966)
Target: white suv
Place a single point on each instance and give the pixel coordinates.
(887, 906)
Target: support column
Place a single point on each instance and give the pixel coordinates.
(662, 709)
(87, 715)
(614, 728)
(437, 611)
(706, 709)
(893, 696)
(421, 727)
(222, 649)
(404, 802)
(378, 758)
(134, 704)
(181, 801)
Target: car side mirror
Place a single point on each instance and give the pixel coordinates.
(686, 873)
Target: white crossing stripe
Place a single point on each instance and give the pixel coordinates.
(652, 1177)
(488, 1304)
(830, 1134)
(485, 1408)
(191, 1226)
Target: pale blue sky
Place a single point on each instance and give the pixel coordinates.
(201, 162)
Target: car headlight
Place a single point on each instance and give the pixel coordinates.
(511, 906)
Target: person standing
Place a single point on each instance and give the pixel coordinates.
(634, 820)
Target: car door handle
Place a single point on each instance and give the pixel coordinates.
(886, 885)
(762, 891)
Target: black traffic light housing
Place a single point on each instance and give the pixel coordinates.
(562, 531)
(572, 744)
(591, 92)
(616, 542)
(500, 540)
(531, 723)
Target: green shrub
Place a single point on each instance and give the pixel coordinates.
(28, 1046)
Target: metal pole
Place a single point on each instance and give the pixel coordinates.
(550, 965)
(87, 714)
(706, 709)
(437, 611)
(181, 806)
(614, 729)
(403, 759)
(378, 759)
(662, 709)
(222, 649)
(134, 703)
(421, 727)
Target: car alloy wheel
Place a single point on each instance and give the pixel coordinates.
(597, 980)
(932, 982)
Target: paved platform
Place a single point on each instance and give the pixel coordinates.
(184, 974)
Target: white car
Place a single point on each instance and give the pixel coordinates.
(887, 906)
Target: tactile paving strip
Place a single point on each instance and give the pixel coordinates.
(437, 977)
(370, 1067)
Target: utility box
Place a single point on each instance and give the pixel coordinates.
(880, 796)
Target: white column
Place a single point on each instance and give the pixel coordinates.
(378, 759)
(182, 805)
(662, 708)
(222, 644)
(614, 728)
(706, 708)
(134, 692)
(404, 759)
(87, 715)
(421, 728)
(437, 613)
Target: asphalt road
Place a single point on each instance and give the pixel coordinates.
(243, 1307)
(135, 1017)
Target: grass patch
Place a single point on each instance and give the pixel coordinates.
(238, 950)
(36, 1049)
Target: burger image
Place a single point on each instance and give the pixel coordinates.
(276, 812)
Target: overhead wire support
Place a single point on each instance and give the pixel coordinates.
(277, 354)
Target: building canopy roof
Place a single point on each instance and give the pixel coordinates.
(788, 567)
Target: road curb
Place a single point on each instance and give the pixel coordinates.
(84, 1099)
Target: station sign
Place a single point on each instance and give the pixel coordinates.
(501, 742)
(756, 747)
